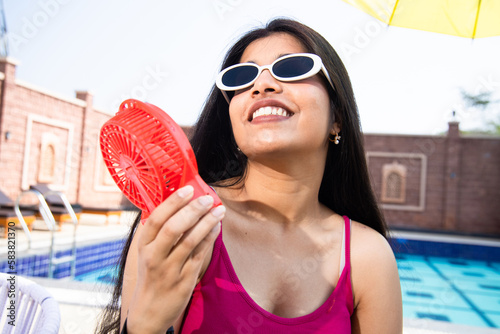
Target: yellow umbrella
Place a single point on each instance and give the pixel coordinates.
(464, 18)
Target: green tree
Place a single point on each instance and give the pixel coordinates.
(483, 101)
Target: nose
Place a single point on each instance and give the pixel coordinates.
(266, 83)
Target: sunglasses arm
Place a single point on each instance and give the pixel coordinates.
(225, 96)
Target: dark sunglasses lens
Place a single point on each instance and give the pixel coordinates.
(293, 67)
(239, 76)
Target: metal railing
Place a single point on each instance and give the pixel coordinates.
(49, 220)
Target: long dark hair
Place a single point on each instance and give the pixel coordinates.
(345, 187)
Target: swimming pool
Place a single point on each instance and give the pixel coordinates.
(457, 282)
(105, 275)
(89, 258)
(462, 286)
(448, 289)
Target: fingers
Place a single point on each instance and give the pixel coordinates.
(198, 255)
(165, 210)
(182, 225)
(200, 237)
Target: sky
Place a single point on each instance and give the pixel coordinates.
(168, 53)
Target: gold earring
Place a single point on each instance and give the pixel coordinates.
(334, 140)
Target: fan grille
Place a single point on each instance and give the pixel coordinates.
(142, 157)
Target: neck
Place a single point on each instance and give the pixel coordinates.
(282, 193)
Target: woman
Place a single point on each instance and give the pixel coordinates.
(301, 247)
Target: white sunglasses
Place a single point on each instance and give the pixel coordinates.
(292, 67)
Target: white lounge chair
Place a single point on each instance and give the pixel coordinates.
(36, 311)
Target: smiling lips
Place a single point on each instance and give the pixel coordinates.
(270, 111)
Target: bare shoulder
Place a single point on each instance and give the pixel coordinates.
(368, 245)
(375, 282)
(372, 260)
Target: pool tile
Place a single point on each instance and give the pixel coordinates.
(495, 287)
(420, 295)
(443, 298)
(485, 286)
(473, 274)
(494, 318)
(476, 274)
(433, 283)
(445, 249)
(415, 267)
(433, 316)
(437, 311)
(460, 264)
(485, 303)
(495, 266)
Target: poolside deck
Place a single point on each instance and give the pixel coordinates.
(81, 303)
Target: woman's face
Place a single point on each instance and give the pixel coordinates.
(300, 121)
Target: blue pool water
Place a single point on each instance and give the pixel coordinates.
(449, 289)
(89, 258)
(106, 275)
(458, 290)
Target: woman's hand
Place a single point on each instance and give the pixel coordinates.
(172, 247)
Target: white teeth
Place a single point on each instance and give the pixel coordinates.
(264, 111)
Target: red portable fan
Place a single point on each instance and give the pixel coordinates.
(149, 156)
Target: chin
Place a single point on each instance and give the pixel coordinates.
(266, 152)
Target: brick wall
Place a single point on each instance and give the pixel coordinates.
(29, 113)
(93, 191)
(452, 182)
(478, 199)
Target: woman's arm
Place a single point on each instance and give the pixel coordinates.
(164, 262)
(377, 291)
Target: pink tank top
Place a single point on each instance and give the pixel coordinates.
(221, 305)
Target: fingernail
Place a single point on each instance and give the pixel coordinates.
(185, 191)
(219, 212)
(205, 200)
(216, 227)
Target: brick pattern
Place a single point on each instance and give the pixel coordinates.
(462, 180)
(478, 207)
(17, 103)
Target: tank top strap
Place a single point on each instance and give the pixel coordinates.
(347, 250)
(345, 245)
(347, 240)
